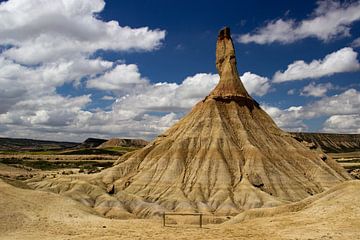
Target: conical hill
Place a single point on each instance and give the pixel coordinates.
(225, 156)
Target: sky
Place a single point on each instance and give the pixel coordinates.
(73, 69)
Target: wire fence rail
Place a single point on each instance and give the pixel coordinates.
(182, 214)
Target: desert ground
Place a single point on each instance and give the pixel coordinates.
(334, 214)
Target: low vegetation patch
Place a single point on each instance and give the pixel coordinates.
(89, 152)
(37, 152)
(51, 165)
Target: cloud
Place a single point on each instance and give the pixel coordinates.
(255, 84)
(291, 91)
(19, 83)
(167, 97)
(343, 60)
(42, 31)
(289, 119)
(48, 111)
(314, 90)
(47, 44)
(107, 98)
(331, 19)
(356, 43)
(343, 123)
(334, 107)
(122, 77)
(345, 103)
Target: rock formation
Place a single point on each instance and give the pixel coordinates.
(227, 155)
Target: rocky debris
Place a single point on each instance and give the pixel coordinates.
(110, 189)
(323, 156)
(355, 173)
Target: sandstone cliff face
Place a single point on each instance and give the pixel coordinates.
(225, 156)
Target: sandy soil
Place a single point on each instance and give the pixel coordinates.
(17, 172)
(29, 214)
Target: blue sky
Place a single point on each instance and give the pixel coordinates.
(72, 69)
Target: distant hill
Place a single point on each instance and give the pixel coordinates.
(91, 143)
(328, 142)
(23, 144)
(96, 144)
(123, 142)
(331, 142)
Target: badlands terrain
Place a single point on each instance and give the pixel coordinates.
(226, 159)
(29, 214)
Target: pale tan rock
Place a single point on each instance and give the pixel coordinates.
(227, 155)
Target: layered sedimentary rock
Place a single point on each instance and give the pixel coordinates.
(331, 142)
(225, 156)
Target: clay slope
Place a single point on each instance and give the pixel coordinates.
(25, 211)
(28, 214)
(334, 214)
(340, 200)
(227, 155)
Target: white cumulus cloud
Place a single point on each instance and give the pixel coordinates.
(316, 90)
(42, 31)
(356, 43)
(336, 108)
(329, 20)
(343, 60)
(255, 84)
(122, 77)
(343, 123)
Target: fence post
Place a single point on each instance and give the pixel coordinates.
(201, 220)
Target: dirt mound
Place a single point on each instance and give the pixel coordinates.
(355, 173)
(227, 155)
(331, 203)
(123, 142)
(20, 209)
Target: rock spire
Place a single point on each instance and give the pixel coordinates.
(230, 85)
